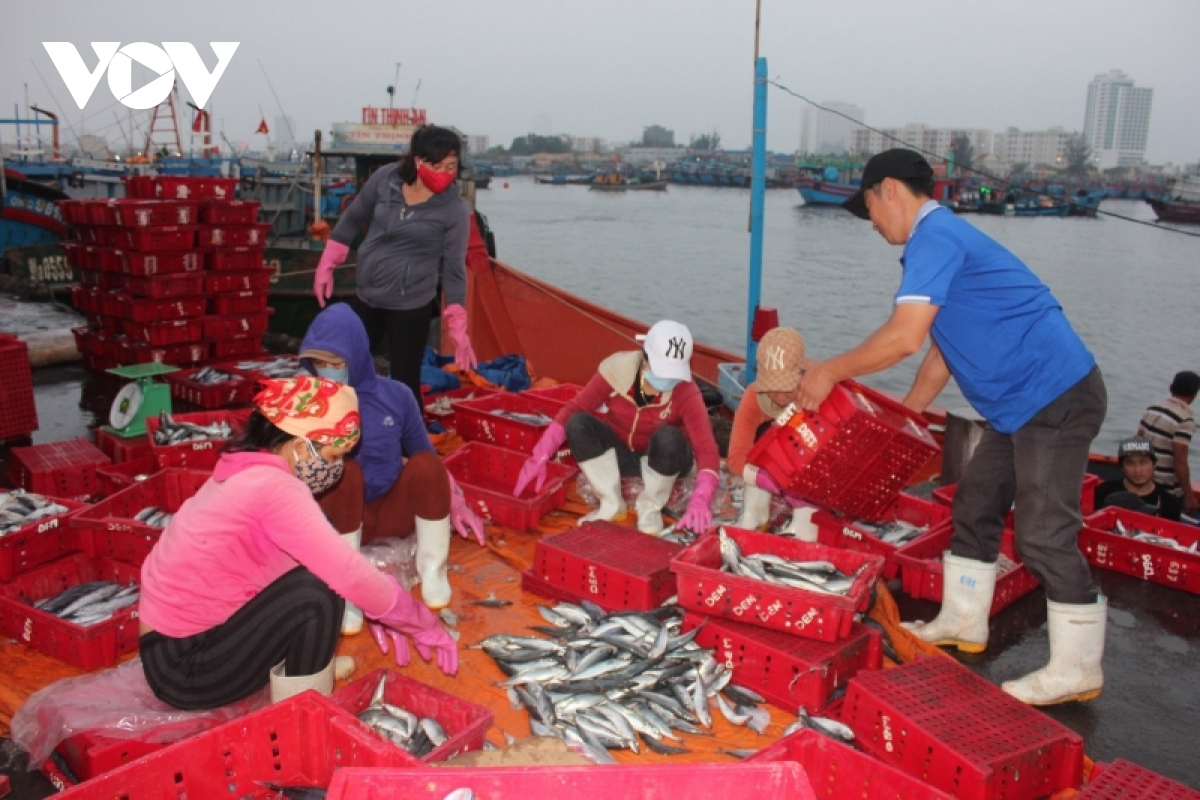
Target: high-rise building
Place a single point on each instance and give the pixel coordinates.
(1116, 123)
(823, 133)
(1033, 148)
(476, 144)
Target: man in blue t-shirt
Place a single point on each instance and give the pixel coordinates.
(998, 330)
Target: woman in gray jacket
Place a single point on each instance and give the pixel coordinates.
(419, 224)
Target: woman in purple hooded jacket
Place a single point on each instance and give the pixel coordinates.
(394, 482)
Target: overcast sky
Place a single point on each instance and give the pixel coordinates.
(507, 67)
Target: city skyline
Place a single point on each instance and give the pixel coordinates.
(538, 66)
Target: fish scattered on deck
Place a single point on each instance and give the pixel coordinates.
(826, 726)
(621, 680)
(491, 601)
(813, 576)
(89, 603)
(19, 508)
(171, 431)
(418, 736)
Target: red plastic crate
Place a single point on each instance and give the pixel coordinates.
(302, 741)
(838, 531)
(39, 542)
(250, 280)
(91, 257)
(235, 392)
(465, 723)
(174, 237)
(488, 475)
(243, 348)
(175, 331)
(254, 235)
(103, 281)
(89, 341)
(233, 303)
(57, 469)
(18, 411)
(132, 212)
(94, 363)
(454, 397)
(229, 212)
(852, 456)
(195, 455)
(703, 587)
(90, 754)
(74, 212)
(942, 723)
(839, 772)
(180, 187)
(236, 258)
(115, 477)
(921, 570)
(254, 375)
(1122, 780)
(120, 448)
(620, 782)
(163, 286)
(109, 529)
(86, 299)
(476, 420)
(180, 355)
(1087, 497)
(134, 262)
(141, 309)
(562, 393)
(87, 648)
(789, 671)
(616, 568)
(236, 326)
(1150, 562)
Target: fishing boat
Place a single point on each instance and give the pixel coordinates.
(29, 212)
(1181, 203)
(825, 186)
(633, 185)
(1024, 205)
(563, 180)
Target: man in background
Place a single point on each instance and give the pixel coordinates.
(1169, 426)
(1136, 489)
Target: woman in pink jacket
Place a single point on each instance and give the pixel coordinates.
(657, 427)
(248, 583)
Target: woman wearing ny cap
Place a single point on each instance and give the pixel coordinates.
(780, 363)
(246, 585)
(657, 428)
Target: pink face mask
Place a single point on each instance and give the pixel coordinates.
(436, 182)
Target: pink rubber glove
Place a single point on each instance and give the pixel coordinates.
(381, 635)
(456, 326)
(465, 520)
(535, 466)
(698, 516)
(437, 643)
(334, 254)
(756, 476)
(408, 617)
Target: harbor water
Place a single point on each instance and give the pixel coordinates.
(1129, 289)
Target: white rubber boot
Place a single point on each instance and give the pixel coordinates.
(756, 508)
(801, 526)
(285, 686)
(656, 491)
(352, 622)
(967, 590)
(604, 475)
(1076, 649)
(433, 548)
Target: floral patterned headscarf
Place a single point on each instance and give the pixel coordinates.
(320, 410)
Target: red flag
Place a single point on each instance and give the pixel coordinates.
(262, 127)
(197, 127)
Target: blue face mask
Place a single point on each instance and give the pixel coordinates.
(339, 374)
(660, 384)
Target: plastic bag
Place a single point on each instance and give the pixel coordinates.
(117, 703)
(397, 557)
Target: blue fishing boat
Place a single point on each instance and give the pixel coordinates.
(825, 186)
(29, 212)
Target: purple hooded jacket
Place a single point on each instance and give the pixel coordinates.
(392, 423)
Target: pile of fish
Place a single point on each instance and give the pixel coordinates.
(812, 576)
(417, 736)
(171, 431)
(154, 516)
(18, 508)
(444, 404)
(605, 681)
(539, 419)
(896, 532)
(89, 603)
(211, 376)
(279, 368)
(1153, 538)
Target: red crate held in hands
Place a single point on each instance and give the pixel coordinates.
(706, 588)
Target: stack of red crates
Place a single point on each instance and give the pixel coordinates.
(172, 273)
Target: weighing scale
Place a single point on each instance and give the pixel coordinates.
(139, 400)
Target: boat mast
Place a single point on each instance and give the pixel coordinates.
(758, 185)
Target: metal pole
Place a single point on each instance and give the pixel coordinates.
(758, 190)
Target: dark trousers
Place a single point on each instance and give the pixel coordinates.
(406, 332)
(297, 620)
(1041, 468)
(668, 454)
(422, 490)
